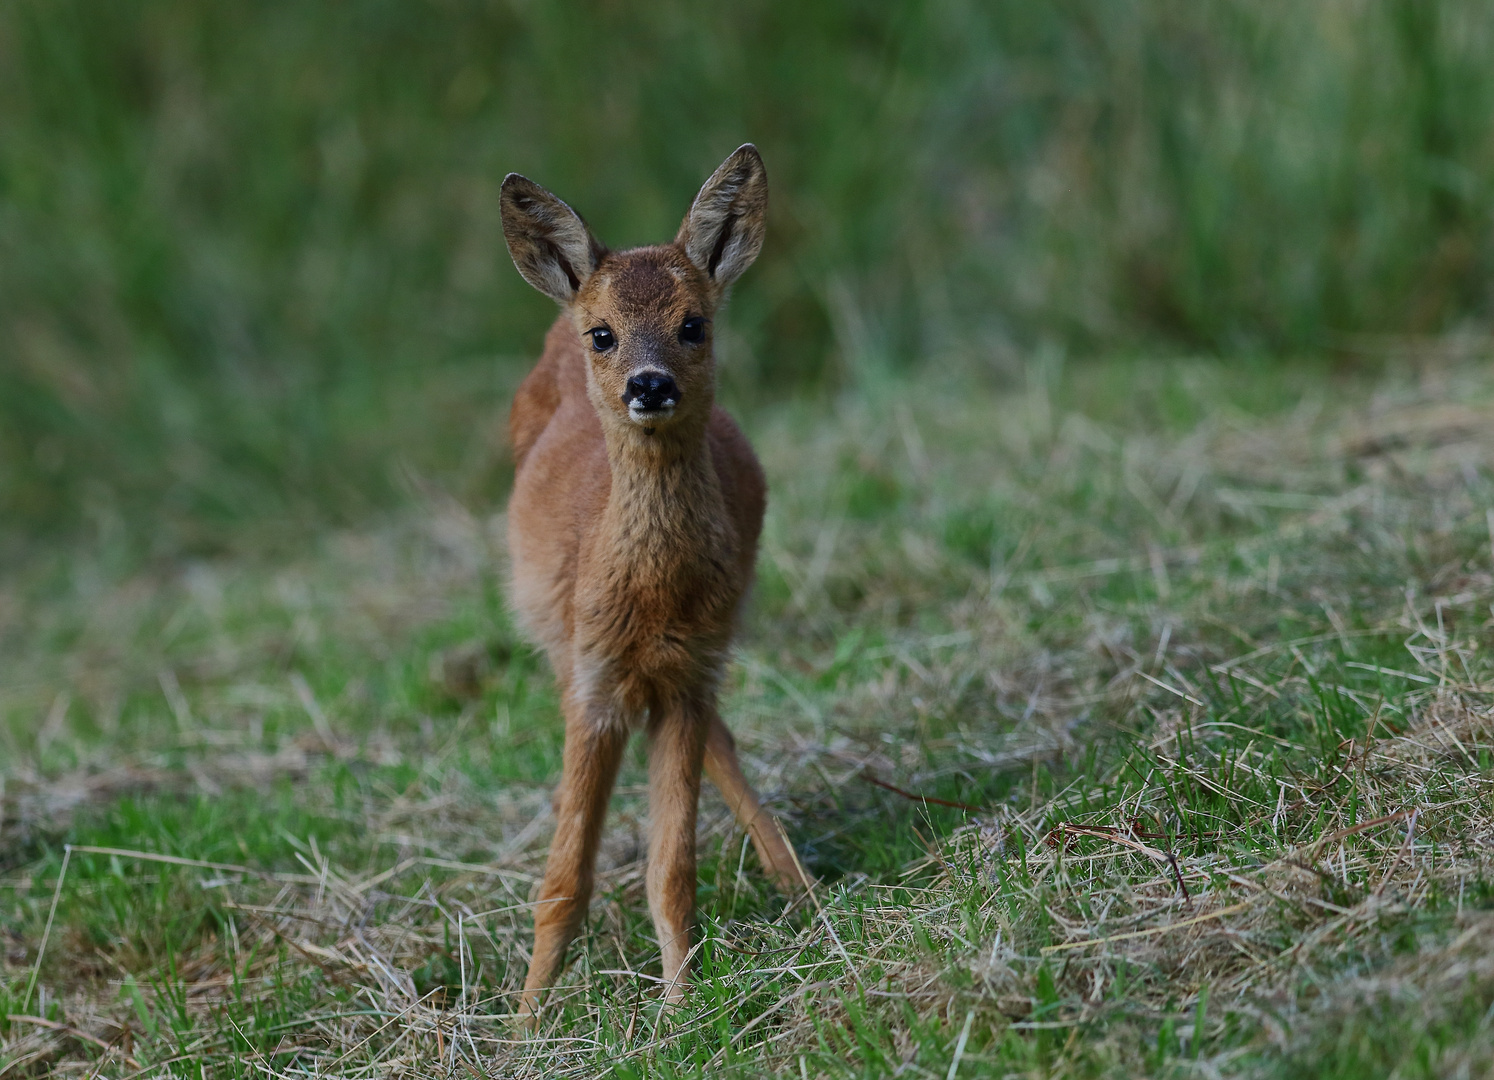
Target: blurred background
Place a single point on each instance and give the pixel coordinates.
(252, 277)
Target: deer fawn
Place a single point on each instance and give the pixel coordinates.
(633, 529)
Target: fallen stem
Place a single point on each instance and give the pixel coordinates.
(870, 779)
(41, 951)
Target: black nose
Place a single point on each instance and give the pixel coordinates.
(652, 390)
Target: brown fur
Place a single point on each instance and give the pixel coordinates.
(633, 542)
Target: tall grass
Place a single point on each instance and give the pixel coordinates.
(251, 265)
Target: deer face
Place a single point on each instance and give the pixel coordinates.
(644, 316)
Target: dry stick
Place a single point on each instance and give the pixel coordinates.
(1328, 838)
(1177, 874)
(870, 779)
(1046, 949)
(177, 860)
(67, 855)
(1339, 834)
(1171, 689)
(1399, 855)
(1110, 832)
(379, 879)
(1115, 836)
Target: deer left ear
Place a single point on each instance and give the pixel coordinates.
(723, 232)
(549, 243)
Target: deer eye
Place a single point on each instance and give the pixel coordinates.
(693, 330)
(602, 339)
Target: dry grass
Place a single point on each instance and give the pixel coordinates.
(1206, 651)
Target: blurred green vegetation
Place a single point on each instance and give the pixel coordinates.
(251, 268)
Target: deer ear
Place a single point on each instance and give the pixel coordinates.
(549, 243)
(723, 232)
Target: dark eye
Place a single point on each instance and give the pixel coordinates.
(602, 339)
(693, 330)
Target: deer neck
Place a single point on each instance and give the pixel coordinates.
(665, 506)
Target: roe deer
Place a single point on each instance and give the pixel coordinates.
(633, 529)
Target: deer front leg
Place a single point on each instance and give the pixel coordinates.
(773, 849)
(594, 742)
(676, 747)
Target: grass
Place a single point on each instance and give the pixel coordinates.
(1202, 649)
(237, 243)
(1135, 714)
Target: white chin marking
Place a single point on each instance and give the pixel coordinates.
(649, 416)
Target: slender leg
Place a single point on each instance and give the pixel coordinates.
(594, 745)
(772, 845)
(676, 746)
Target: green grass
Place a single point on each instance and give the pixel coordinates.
(1196, 637)
(238, 243)
(1169, 626)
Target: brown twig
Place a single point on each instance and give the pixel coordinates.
(870, 779)
(1177, 874)
(1110, 832)
(1399, 855)
(1129, 838)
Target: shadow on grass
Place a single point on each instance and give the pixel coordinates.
(859, 830)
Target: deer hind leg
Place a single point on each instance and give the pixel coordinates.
(773, 849)
(676, 747)
(594, 743)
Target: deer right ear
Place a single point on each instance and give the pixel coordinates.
(723, 232)
(549, 243)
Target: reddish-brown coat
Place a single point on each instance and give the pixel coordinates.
(633, 536)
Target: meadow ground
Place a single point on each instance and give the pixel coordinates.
(1135, 722)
